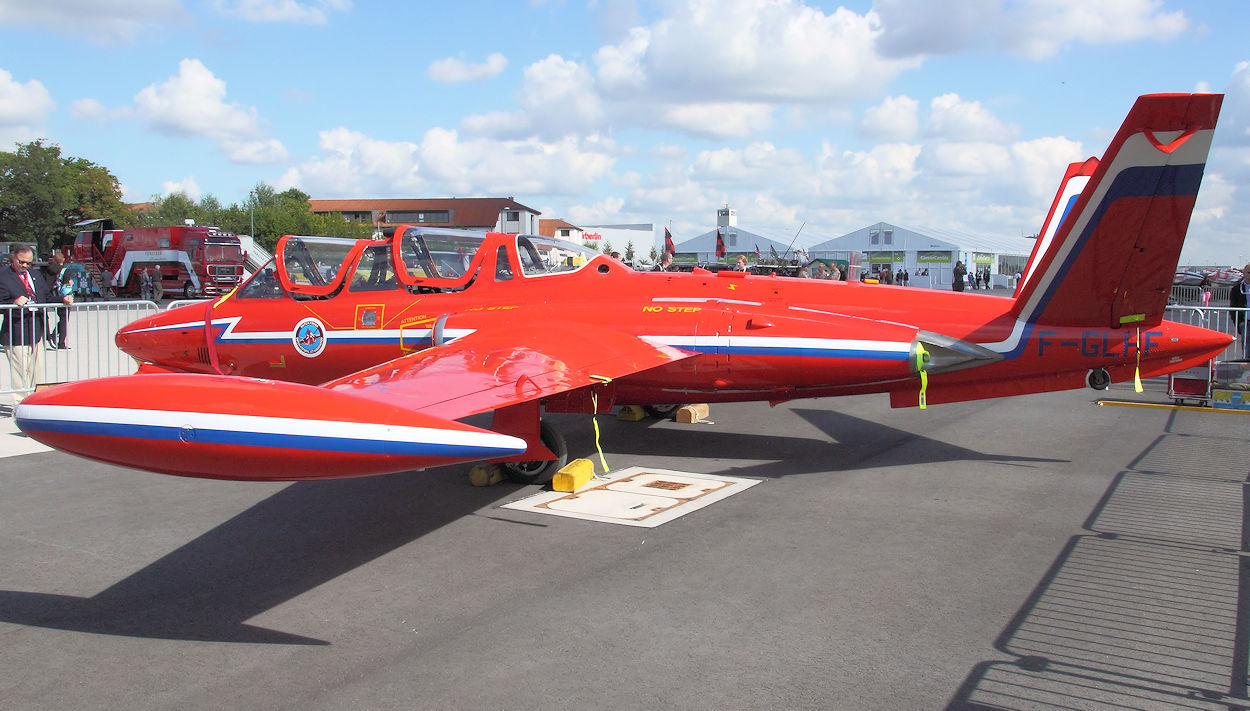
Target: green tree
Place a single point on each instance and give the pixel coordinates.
(35, 194)
(43, 194)
(629, 251)
(97, 194)
(607, 247)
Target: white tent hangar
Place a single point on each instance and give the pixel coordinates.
(738, 240)
(929, 254)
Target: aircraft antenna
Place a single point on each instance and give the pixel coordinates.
(796, 237)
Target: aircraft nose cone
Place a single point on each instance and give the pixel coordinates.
(173, 338)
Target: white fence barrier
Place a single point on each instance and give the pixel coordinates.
(89, 331)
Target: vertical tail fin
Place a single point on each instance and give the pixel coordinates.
(1110, 261)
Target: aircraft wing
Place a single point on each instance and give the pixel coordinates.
(488, 370)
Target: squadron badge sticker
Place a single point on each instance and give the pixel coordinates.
(309, 337)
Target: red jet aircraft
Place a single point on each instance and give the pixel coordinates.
(350, 358)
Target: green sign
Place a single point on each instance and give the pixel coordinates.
(887, 256)
(933, 257)
(982, 258)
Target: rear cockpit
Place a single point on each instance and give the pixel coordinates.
(415, 259)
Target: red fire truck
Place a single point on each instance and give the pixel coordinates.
(193, 260)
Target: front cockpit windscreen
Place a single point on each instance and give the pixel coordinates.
(263, 284)
(548, 255)
(314, 261)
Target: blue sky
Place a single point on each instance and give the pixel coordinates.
(833, 116)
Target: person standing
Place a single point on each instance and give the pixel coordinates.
(666, 263)
(741, 264)
(960, 272)
(1237, 298)
(62, 283)
(158, 283)
(23, 327)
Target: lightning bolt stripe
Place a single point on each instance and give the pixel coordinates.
(226, 333)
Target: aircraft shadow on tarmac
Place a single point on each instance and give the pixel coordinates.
(858, 444)
(312, 532)
(1149, 607)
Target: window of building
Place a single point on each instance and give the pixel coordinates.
(733, 239)
(874, 237)
(512, 215)
(418, 216)
(888, 236)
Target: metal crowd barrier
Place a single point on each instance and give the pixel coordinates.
(1192, 295)
(1217, 318)
(91, 352)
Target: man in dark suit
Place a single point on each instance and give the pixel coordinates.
(23, 326)
(1238, 297)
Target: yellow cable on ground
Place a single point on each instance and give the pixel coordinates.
(921, 355)
(594, 410)
(1137, 371)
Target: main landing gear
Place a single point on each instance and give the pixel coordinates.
(540, 472)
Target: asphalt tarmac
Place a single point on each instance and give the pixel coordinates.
(1038, 552)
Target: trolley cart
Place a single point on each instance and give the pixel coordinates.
(1192, 384)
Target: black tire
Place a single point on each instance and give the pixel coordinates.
(187, 291)
(540, 472)
(661, 412)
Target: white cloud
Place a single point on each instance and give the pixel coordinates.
(894, 119)
(707, 69)
(974, 158)
(557, 97)
(1042, 27)
(754, 163)
(452, 70)
(23, 108)
(23, 102)
(954, 119)
(260, 152)
(882, 175)
(749, 50)
(100, 21)
(94, 110)
(303, 13)
(727, 120)
(1035, 29)
(445, 163)
(355, 165)
(1220, 230)
(187, 186)
(192, 104)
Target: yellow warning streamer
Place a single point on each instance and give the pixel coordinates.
(594, 410)
(1137, 372)
(921, 357)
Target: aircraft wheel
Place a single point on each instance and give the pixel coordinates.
(660, 412)
(540, 472)
(1099, 379)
